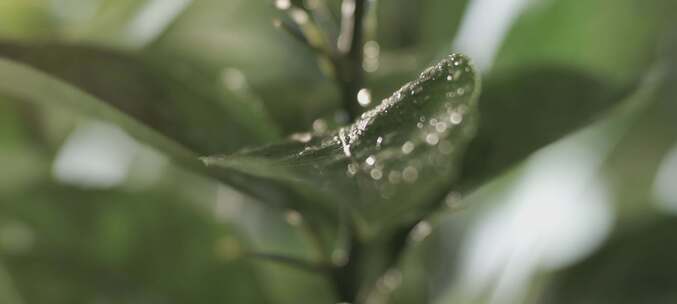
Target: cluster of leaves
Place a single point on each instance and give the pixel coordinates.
(361, 191)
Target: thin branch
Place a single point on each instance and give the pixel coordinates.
(293, 32)
(350, 44)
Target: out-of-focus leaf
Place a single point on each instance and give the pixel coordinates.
(21, 162)
(525, 110)
(216, 35)
(25, 19)
(179, 102)
(82, 246)
(390, 163)
(427, 25)
(118, 23)
(611, 39)
(633, 165)
(411, 35)
(637, 265)
(26, 84)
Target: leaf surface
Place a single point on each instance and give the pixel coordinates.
(389, 163)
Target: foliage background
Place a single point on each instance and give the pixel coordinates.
(88, 215)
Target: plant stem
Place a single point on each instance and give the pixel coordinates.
(350, 45)
(346, 278)
(368, 261)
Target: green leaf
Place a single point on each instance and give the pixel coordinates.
(612, 39)
(619, 271)
(175, 99)
(525, 110)
(26, 84)
(91, 245)
(394, 160)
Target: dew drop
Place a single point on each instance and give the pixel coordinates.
(432, 139)
(345, 144)
(441, 127)
(379, 141)
(320, 126)
(301, 137)
(419, 125)
(352, 169)
(416, 89)
(376, 173)
(407, 147)
(299, 16)
(371, 160)
(410, 174)
(364, 97)
(392, 279)
(394, 177)
(455, 118)
(421, 231)
(293, 217)
(234, 79)
(282, 4)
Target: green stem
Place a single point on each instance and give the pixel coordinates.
(350, 44)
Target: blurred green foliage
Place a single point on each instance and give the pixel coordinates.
(198, 78)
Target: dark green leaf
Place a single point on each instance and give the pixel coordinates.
(394, 160)
(26, 84)
(635, 265)
(525, 110)
(21, 82)
(176, 100)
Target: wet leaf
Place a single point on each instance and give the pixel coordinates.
(179, 102)
(395, 159)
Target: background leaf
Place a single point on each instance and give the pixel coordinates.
(109, 244)
(527, 109)
(613, 40)
(204, 115)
